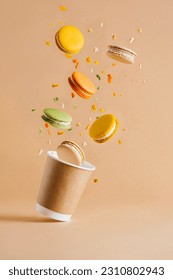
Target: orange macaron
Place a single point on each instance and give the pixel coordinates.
(82, 85)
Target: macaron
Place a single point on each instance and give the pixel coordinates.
(57, 118)
(103, 128)
(82, 85)
(121, 54)
(69, 39)
(70, 152)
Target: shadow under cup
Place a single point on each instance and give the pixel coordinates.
(62, 186)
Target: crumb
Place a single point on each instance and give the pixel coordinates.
(139, 30)
(90, 119)
(114, 37)
(46, 125)
(88, 60)
(114, 94)
(102, 110)
(40, 152)
(49, 142)
(70, 129)
(96, 62)
(52, 24)
(60, 132)
(48, 131)
(55, 85)
(119, 142)
(76, 63)
(62, 105)
(61, 22)
(56, 99)
(96, 180)
(98, 88)
(74, 106)
(88, 125)
(94, 107)
(72, 94)
(33, 110)
(98, 77)
(101, 24)
(120, 94)
(95, 98)
(40, 130)
(80, 134)
(123, 129)
(109, 78)
(84, 144)
(140, 66)
(145, 82)
(78, 124)
(95, 50)
(102, 71)
(113, 64)
(68, 55)
(90, 30)
(48, 43)
(92, 70)
(63, 8)
(131, 40)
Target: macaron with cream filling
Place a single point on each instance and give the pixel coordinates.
(121, 54)
(70, 152)
(57, 118)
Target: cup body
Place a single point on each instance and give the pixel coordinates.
(62, 186)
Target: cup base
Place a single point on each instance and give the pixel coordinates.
(52, 214)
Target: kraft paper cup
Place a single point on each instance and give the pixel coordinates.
(62, 186)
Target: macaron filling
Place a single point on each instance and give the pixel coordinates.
(108, 134)
(124, 53)
(60, 124)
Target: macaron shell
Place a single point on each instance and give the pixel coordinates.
(77, 90)
(84, 82)
(67, 155)
(119, 58)
(69, 39)
(102, 126)
(57, 115)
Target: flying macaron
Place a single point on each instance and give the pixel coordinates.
(70, 152)
(69, 39)
(82, 85)
(103, 128)
(57, 118)
(121, 54)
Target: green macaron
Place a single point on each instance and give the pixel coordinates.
(57, 118)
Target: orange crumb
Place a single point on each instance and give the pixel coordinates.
(88, 59)
(119, 142)
(60, 132)
(55, 85)
(75, 61)
(46, 125)
(72, 94)
(109, 78)
(113, 64)
(48, 131)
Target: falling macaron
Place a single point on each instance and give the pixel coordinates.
(82, 85)
(70, 152)
(57, 118)
(121, 54)
(103, 128)
(69, 39)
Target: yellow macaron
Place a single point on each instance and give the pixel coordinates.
(103, 128)
(69, 39)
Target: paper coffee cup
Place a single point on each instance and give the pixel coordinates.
(62, 186)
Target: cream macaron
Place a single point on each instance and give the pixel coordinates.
(121, 54)
(70, 152)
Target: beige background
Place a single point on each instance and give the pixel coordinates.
(128, 213)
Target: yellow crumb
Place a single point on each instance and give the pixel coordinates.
(78, 124)
(63, 8)
(88, 59)
(60, 132)
(68, 55)
(61, 22)
(88, 125)
(119, 142)
(96, 62)
(55, 85)
(80, 134)
(48, 43)
(102, 110)
(102, 71)
(94, 107)
(52, 24)
(114, 37)
(96, 180)
(90, 29)
(114, 94)
(120, 94)
(113, 64)
(139, 30)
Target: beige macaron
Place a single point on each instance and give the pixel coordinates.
(70, 152)
(121, 54)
